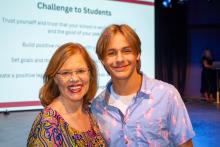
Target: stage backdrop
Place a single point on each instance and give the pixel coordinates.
(31, 31)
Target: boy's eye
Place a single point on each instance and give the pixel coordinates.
(127, 50)
(111, 53)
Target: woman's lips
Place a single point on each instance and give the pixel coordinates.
(75, 88)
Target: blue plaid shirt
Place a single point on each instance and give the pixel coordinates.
(156, 117)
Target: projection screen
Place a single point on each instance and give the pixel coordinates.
(31, 30)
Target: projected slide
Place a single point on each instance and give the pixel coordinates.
(31, 31)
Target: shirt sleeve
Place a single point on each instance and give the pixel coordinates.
(180, 127)
(44, 133)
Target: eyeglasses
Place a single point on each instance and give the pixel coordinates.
(82, 73)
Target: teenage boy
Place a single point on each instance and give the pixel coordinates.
(135, 110)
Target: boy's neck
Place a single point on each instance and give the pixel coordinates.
(128, 86)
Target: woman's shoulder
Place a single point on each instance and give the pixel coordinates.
(46, 118)
(51, 116)
(207, 58)
(44, 127)
(47, 115)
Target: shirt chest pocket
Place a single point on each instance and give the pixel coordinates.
(151, 129)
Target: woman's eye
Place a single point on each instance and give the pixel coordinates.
(65, 73)
(81, 71)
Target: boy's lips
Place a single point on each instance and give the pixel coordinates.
(120, 68)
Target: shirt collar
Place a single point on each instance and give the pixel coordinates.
(144, 91)
(145, 86)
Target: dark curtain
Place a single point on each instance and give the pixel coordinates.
(171, 54)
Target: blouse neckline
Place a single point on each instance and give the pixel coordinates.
(58, 116)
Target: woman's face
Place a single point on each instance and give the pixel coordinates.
(73, 78)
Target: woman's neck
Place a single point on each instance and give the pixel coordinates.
(65, 106)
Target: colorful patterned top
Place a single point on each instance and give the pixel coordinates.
(51, 130)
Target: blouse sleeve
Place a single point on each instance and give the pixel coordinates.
(44, 133)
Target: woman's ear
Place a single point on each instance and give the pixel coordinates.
(138, 56)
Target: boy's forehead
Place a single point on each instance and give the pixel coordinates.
(118, 47)
(117, 43)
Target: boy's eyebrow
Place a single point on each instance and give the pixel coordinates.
(110, 49)
(128, 46)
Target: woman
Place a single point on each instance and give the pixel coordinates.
(208, 78)
(70, 82)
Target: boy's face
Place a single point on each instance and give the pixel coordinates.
(120, 60)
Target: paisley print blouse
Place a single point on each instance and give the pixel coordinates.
(51, 130)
